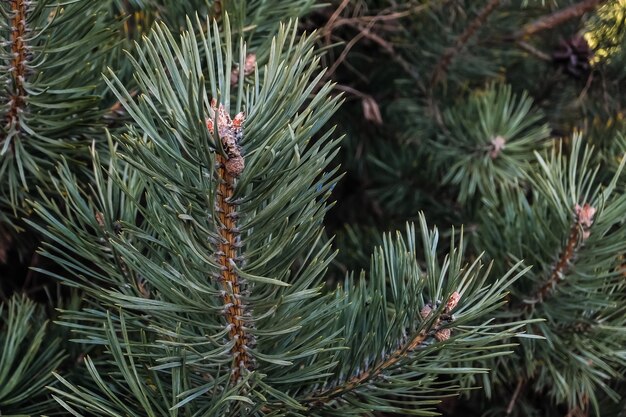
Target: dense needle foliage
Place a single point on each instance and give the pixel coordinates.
(199, 204)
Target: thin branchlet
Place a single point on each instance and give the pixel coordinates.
(559, 17)
(19, 50)
(421, 339)
(229, 167)
(579, 232)
(448, 56)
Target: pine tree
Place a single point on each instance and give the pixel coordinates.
(198, 250)
(175, 165)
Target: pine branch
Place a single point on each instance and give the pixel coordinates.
(446, 59)
(366, 25)
(557, 18)
(580, 294)
(579, 232)
(525, 46)
(51, 101)
(18, 66)
(324, 397)
(229, 169)
(29, 354)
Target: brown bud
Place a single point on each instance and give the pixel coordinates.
(425, 311)
(443, 334)
(250, 64)
(248, 68)
(585, 215)
(235, 165)
(453, 301)
(371, 111)
(100, 219)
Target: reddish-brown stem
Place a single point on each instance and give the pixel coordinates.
(18, 64)
(558, 17)
(434, 330)
(446, 59)
(118, 107)
(325, 396)
(231, 283)
(579, 232)
(562, 265)
(518, 389)
(534, 51)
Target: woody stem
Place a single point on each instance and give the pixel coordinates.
(231, 282)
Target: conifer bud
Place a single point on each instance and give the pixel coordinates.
(585, 214)
(453, 301)
(584, 217)
(443, 334)
(100, 219)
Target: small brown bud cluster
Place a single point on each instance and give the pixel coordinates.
(230, 132)
(248, 68)
(453, 301)
(584, 218)
(100, 219)
(442, 334)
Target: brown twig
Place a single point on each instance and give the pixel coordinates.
(117, 107)
(518, 389)
(325, 396)
(384, 16)
(446, 59)
(229, 167)
(562, 265)
(365, 25)
(557, 18)
(227, 253)
(17, 98)
(350, 90)
(402, 352)
(533, 51)
(346, 50)
(549, 22)
(579, 232)
(329, 26)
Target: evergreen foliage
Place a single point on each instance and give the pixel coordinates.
(147, 244)
(30, 353)
(49, 104)
(192, 191)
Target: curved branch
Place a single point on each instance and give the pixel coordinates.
(446, 59)
(558, 17)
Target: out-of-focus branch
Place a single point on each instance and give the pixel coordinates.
(366, 26)
(559, 17)
(446, 59)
